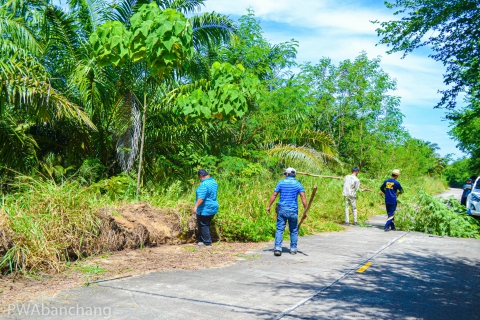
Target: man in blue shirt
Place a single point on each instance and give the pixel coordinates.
(289, 189)
(206, 206)
(391, 189)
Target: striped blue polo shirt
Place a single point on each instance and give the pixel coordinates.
(207, 190)
(289, 189)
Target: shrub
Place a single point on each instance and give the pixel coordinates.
(428, 214)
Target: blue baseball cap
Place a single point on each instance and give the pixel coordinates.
(202, 172)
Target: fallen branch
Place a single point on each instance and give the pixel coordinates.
(327, 177)
(319, 176)
(308, 206)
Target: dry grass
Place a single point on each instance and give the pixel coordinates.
(45, 225)
(48, 224)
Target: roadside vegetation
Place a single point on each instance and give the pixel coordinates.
(96, 113)
(459, 171)
(47, 224)
(444, 217)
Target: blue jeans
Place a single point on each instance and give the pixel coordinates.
(391, 215)
(282, 218)
(204, 229)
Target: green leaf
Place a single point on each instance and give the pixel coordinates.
(169, 41)
(179, 27)
(116, 40)
(145, 28)
(227, 107)
(169, 58)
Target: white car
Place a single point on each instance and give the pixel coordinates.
(473, 199)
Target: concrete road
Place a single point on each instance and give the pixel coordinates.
(406, 276)
(452, 192)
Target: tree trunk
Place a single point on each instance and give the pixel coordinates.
(142, 141)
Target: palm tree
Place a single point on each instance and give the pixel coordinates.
(28, 96)
(122, 91)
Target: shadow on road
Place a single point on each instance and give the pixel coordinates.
(423, 285)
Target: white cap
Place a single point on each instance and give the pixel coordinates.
(396, 172)
(290, 171)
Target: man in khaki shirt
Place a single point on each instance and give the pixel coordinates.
(350, 186)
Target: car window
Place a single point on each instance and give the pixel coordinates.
(477, 185)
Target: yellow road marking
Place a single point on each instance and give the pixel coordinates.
(365, 267)
(401, 240)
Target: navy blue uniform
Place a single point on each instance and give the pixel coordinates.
(390, 188)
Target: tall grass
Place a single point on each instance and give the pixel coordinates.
(243, 201)
(49, 223)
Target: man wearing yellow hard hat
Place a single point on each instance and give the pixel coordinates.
(391, 189)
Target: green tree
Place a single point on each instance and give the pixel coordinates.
(28, 95)
(161, 39)
(458, 172)
(280, 124)
(255, 53)
(57, 53)
(466, 129)
(351, 102)
(450, 28)
(228, 96)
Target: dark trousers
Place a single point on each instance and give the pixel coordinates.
(204, 229)
(391, 215)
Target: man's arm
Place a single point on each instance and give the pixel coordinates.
(304, 199)
(199, 202)
(201, 196)
(400, 190)
(382, 189)
(272, 199)
(357, 185)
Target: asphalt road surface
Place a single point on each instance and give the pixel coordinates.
(452, 192)
(362, 273)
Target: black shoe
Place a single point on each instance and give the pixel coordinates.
(346, 224)
(393, 230)
(356, 224)
(386, 230)
(277, 253)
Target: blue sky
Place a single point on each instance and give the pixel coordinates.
(341, 30)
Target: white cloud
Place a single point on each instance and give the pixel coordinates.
(341, 30)
(418, 76)
(344, 18)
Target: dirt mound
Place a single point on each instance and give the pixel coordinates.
(140, 225)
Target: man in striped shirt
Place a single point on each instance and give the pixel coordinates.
(289, 189)
(206, 206)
